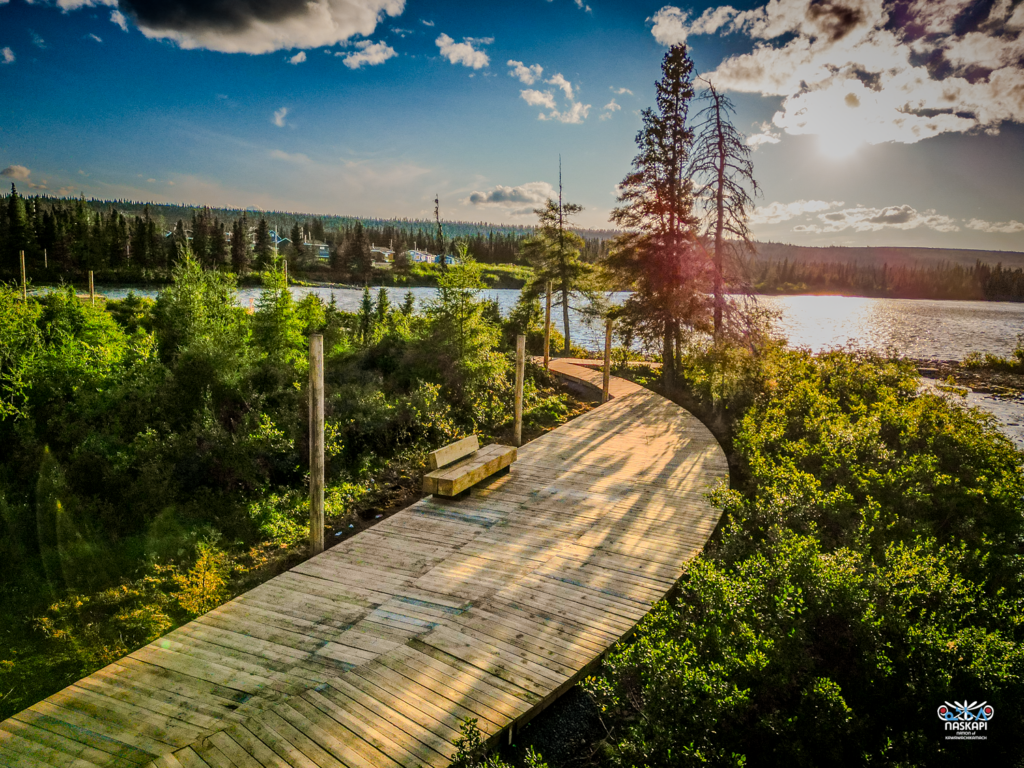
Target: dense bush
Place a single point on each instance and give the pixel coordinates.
(867, 570)
(154, 453)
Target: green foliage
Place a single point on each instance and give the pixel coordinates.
(462, 340)
(1012, 364)
(469, 753)
(868, 569)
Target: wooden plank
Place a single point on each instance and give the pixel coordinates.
(453, 452)
(373, 652)
(453, 480)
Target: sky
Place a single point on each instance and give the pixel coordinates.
(870, 122)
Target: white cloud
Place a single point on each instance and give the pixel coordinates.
(369, 53)
(538, 98)
(6, 56)
(279, 116)
(610, 108)
(463, 53)
(619, 91)
(97, 38)
(16, 172)
(776, 213)
(38, 42)
(874, 219)
(527, 75)
(582, 6)
(560, 82)
(670, 26)
(298, 58)
(1002, 227)
(118, 18)
(290, 157)
(857, 71)
(766, 136)
(426, 23)
(520, 200)
(574, 112)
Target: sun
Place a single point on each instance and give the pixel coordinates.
(840, 141)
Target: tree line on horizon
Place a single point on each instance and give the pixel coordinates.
(71, 236)
(945, 280)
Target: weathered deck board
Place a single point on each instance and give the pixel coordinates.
(372, 653)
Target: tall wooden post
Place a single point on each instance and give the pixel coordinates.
(316, 444)
(24, 283)
(46, 260)
(286, 272)
(547, 324)
(92, 289)
(607, 360)
(517, 436)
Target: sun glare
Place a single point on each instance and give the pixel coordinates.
(839, 142)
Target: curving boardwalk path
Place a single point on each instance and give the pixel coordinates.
(372, 653)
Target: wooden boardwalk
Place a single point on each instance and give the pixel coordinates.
(371, 654)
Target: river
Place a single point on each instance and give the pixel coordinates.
(944, 330)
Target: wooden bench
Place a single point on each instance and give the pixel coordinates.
(462, 464)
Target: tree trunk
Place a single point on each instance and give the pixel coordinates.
(720, 220)
(668, 361)
(565, 320)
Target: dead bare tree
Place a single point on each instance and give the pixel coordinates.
(722, 172)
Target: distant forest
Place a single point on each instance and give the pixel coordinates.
(944, 280)
(128, 240)
(121, 236)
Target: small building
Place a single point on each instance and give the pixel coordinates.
(422, 257)
(317, 249)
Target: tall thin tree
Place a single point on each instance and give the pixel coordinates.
(720, 163)
(657, 255)
(555, 253)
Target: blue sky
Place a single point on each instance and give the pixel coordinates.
(873, 122)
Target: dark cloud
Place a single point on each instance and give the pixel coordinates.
(834, 20)
(218, 15)
(505, 195)
(896, 215)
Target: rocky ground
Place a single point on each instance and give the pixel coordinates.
(981, 380)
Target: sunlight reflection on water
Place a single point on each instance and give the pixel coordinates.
(945, 330)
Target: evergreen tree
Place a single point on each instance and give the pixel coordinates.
(366, 316)
(264, 251)
(383, 307)
(658, 256)
(218, 245)
(17, 231)
(241, 256)
(409, 304)
(357, 254)
(554, 252)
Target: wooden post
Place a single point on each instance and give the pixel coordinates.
(46, 260)
(92, 290)
(547, 324)
(316, 444)
(286, 272)
(517, 436)
(607, 361)
(24, 284)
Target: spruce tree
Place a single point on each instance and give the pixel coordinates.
(264, 251)
(658, 256)
(554, 252)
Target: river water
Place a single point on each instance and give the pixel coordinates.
(944, 330)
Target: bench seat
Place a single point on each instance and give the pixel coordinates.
(453, 479)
